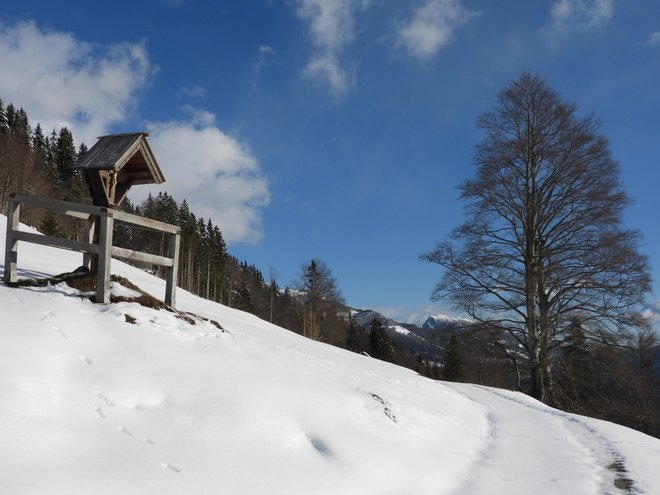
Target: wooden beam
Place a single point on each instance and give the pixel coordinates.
(145, 223)
(58, 242)
(129, 254)
(65, 207)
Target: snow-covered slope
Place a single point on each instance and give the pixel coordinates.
(91, 404)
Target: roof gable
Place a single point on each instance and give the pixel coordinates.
(115, 151)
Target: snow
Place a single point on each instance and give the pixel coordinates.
(90, 403)
(400, 329)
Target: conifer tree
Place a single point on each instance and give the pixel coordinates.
(65, 158)
(39, 143)
(453, 367)
(380, 345)
(82, 150)
(22, 128)
(352, 335)
(10, 117)
(49, 225)
(4, 128)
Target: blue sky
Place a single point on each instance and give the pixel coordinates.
(336, 129)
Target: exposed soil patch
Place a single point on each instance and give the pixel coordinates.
(84, 281)
(386, 407)
(621, 482)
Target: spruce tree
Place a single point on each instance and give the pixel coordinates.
(22, 128)
(380, 346)
(82, 150)
(4, 128)
(453, 368)
(10, 117)
(65, 159)
(49, 225)
(352, 336)
(39, 142)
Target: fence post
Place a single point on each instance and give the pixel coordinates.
(174, 242)
(90, 261)
(11, 244)
(106, 222)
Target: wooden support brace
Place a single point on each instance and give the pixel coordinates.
(172, 272)
(90, 261)
(11, 243)
(105, 254)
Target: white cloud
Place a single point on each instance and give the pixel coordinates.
(266, 56)
(326, 67)
(652, 314)
(432, 26)
(654, 38)
(330, 24)
(567, 15)
(60, 80)
(191, 92)
(213, 171)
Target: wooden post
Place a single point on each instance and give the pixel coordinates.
(90, 261)
(106, 222)
(11, 243)
(172, 252)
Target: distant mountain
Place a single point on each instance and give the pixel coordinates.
(365, 316)
(427, 341)
(444, 322)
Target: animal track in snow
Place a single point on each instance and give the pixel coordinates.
(88, 361)
(100, 412)
(124, 431)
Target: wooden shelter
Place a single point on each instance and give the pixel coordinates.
(115, 163)
(112, 166)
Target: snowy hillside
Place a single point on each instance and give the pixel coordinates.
(92, 404)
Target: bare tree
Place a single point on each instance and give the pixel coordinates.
(322, 299)
(543, 245)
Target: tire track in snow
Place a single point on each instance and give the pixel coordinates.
(539, 450)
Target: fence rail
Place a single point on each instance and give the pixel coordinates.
(97, 245)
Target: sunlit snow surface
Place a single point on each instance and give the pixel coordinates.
(91, 404)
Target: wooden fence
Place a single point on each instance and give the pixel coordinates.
(97, 245)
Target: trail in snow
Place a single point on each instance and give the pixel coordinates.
(573, 457)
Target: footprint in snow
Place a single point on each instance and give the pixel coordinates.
(105, 400)
(148, 440)
(88, 361)
(124, 431)
(61, 332)
(171, 467)
(100, 412)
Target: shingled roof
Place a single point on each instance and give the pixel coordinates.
(115, 163)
